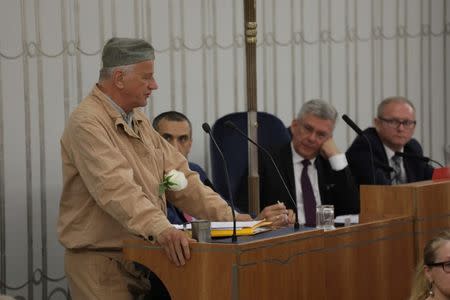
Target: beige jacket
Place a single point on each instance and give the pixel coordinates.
(111, 178)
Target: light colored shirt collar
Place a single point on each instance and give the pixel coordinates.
(297, 158)
(127, 117)
(389, 152)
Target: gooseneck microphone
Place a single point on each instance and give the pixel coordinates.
(352, 124)
(422, 158)
(207, 129)
(230, 124)
(358, 130)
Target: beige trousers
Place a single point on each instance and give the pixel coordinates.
(102, 275)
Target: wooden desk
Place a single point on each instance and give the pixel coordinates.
(427, 202)
(365, 261)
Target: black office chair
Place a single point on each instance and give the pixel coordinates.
(271, 131)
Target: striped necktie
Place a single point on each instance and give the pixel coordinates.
(396, 177)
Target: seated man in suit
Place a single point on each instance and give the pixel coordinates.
(314, 169)
(176, 128)
(393, 130)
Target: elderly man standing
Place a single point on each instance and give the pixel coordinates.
(393, 130)
(314, 169)
(114, 169)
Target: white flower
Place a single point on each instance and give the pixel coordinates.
(178, 179)
(173, 181)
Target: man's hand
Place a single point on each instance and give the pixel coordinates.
(176, 245)
(291, 217)
(277, 214)
(329, 148)
(243, 217)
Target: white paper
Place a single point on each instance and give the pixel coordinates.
(354, 219)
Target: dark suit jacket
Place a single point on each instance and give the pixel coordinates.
(336, 187)
(359, 159)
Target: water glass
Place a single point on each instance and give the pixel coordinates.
(325, 217)
(201, 230)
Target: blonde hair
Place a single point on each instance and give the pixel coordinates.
(421, 286)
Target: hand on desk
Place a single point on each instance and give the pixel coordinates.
(243, 217)
(176, 245)
(278, 215)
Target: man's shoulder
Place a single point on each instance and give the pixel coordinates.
(280, 149)
(370, 134)
(89, 108)
(194, 167)
(413, 146)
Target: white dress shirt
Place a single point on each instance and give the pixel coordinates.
(337, 162)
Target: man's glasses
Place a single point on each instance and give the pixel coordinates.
(393, 123)
(445, 266)
(321, 135)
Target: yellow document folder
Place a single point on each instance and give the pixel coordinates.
(224, 229)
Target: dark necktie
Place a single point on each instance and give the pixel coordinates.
(309, 201)
(397, 174)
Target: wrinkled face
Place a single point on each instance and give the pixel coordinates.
(395, 127)
(177, 133)
(137, 84)
(437, 275)
(309, 134)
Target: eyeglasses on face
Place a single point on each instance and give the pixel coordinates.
(445, 265)
(394, 123)
(308, 129)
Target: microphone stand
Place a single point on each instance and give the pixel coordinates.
(207, 129)
(358, 130)
(233, 126)
(422, 158)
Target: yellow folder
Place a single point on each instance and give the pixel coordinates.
(242, 228)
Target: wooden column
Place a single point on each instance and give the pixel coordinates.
(250, 55)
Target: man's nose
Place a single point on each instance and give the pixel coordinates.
(401, 126)
(312, 136)
(177, 144)
(153, 85)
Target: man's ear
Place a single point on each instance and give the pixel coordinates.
(294, 124)
(376, 123)
(118, 77)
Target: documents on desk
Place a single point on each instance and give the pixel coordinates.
(224, 229)
(352, 219)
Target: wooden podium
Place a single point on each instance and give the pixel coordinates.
(372, 260)
(364, 261)
(427, 202)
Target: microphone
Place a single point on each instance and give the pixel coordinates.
(360, 132)
(413, 156)
(352, 125)
(207, 129)
(372, 162)
(230, 124)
